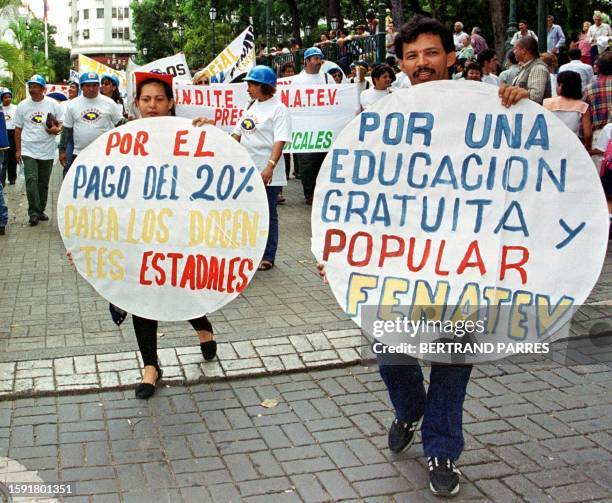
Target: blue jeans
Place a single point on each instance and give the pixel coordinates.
(272, 243)
(441, 406)
(3, 207)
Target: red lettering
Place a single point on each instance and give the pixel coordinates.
(143, 268)
(221, 275)
(248, 264)
(229, 98)
(202, 272)
(231, 277)
(199, 97)
(386, 253)
(203, 153)
(351, 249)
(320, 97)
(284, 97)
(114, 139)
(332, 93)
(505, 265)
(424, 257)
(174, 257)
(141, 139)
(439, 271)
(328, 247)
(225, 117)
(309, 93)
(178, 141)
(465, 263)
(188, 273)
(218, 115)
(213, 274)
(126, 143)
(160, 279)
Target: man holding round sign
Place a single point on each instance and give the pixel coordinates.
(166, 221)
(423, 221)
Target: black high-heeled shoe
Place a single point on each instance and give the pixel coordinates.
(209, 349)
(146, 390)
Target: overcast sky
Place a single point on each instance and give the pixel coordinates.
(58, 16)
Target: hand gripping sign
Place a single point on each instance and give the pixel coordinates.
(165, 220)
(447, 220)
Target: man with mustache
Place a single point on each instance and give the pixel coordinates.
(427, 50)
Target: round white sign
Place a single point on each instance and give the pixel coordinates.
(165, 220)
(438, 206)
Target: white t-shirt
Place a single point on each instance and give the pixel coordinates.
(312, 79)
(585, 71)
(491, 79)
(9, 115)
(371, 96)
(261, 126)
(90, 118)
(31, 117)
(401, 81)
(603, 138)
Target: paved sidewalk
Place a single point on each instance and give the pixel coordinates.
(535, 431)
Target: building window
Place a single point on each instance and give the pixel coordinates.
(100, 13)
(85, 13)
(70, 19)
(120, 13)
(114, 12)
(126, 33)
(114, 33)
(126, 13)
(85, 34)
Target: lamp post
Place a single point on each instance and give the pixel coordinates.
(334, 23)
(512, 26)
(307, 33)
(144, 53)
(212, 14)
(334, 46)
(380, 35)
(181, 31)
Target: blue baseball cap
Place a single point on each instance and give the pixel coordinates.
(37, 79)
(313, 51)
(89, 78)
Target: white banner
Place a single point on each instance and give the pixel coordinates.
(433, 208)
(164, 220)
(237, 58)
(318, 113)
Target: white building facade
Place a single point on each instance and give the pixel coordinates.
(102, 29)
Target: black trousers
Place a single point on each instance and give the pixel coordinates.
(146, 335)
(310, 164)
(9, 166)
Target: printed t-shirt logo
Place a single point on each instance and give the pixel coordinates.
(7, 117)
(248, 124)
(37, 118)
(91, 115)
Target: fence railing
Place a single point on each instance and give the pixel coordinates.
(366, 48)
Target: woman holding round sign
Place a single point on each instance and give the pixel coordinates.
(263, 130)
(154, 98)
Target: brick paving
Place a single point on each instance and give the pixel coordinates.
(535, 431)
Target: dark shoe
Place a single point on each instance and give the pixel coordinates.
(12, 183)
(43, 217)
(309, 201)
(401, 435)
(209, 349)
(2, 230)
(33, 220)
(145, 390)
(443, 477)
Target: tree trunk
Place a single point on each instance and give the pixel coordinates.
(416, 7)
(397, 13)
(335, 11)
(497, 9)
(295, 19)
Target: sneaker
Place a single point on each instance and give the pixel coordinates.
(2, 230)
(33, 220)
(401, 435)
(43, 217)
(443, 477)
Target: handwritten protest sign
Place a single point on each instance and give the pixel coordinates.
(237, 58)
(318, 113)
(166, 221)
(432, 208)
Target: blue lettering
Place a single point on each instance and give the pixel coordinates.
(469, 131)
(336, 166)
(370, 121)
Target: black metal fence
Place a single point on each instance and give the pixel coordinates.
(366, 48)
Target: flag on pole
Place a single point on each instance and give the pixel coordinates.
(46, 10)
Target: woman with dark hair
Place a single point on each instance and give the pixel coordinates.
(263, 130)
(569, 107)
(109, 86)
(382, 78)
(154, 98)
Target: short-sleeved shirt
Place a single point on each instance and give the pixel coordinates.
(312, 79)
(31, 117)
(371, 96)
(90, 118)
(9, 114)
(262, 125)
(598, 95)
